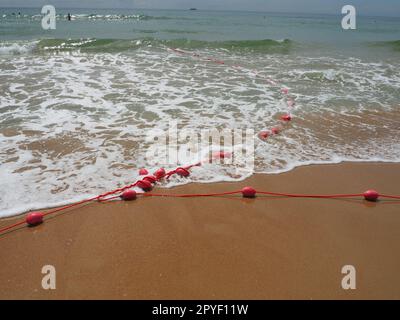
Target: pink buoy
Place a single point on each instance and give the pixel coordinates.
(264, 134)
(143, 172)
(249, 192)
(182, 172)
(128, 195)
(275, 130)
(286, 117)
(160, 173)
(221, 155)
(285, 90)
(371, 195)
(144, 185)
(151, 179)
(34, 218)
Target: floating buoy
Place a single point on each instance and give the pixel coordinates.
(371, 195)
(143, 172)
(290, 103)
(160, 173)
(128, 195)
(249, 192)
(151, 179)
(285, 90)
(275, 130)
(144, 185)
(34, 218)
(221, 155)
(264, 134)
(182, 172)
(286, 117)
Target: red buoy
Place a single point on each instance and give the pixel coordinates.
(144, 185)
(160, 173)
(275, 130)
(264, 134)
(249, 192)
(285, 90)
(286, 117)
(143, 172)
(128, 195)
(151, 179)
(34, 218)
(182, 172)
(221, 155)
(371, 195)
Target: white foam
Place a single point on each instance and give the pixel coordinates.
(17, 47)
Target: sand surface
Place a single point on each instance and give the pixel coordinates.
(219, 248)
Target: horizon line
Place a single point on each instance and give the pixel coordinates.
(211, 10)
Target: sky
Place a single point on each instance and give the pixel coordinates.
(364, 7)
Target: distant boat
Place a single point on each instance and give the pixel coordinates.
(193, 9)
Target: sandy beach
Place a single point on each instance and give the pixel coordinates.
(219, 248)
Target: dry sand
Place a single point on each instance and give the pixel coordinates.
(219, 248)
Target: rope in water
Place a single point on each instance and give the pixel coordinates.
(284, 91)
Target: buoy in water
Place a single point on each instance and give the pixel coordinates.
(128, 195)
(221, 155)
(285, 90)
(144, 185)
(371, 195)
(249, 192)
(286, 117)
(275, 130)
(143, 172)
(264, 134)
(182, 172)
(151, 179)
(34, 218)
(160, 173)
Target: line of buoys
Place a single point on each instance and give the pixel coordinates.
(146, 184)
(290, 103)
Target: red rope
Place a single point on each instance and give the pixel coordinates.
(190, 195)
(389, 196)
(12, 226)
(323, 196)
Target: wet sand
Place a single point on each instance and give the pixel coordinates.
(219, 248)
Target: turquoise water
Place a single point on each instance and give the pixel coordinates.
(77, 103)
(306, 31)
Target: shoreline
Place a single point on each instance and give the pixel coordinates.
(221, 247)
(312, 164)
